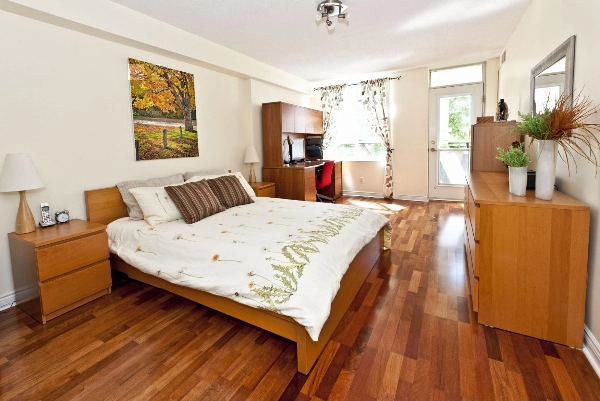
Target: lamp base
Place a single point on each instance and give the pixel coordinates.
(25, 221)
(252, 177)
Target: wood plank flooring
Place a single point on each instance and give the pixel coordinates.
(409, 334)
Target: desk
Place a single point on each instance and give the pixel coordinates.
(297, 181)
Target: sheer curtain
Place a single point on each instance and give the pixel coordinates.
(332, 101)
(374, 100)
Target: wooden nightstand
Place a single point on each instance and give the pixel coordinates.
(71, 263)
(264, 189)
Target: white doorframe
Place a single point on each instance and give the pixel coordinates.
(450, 185)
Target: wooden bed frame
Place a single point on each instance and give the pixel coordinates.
(106, 205)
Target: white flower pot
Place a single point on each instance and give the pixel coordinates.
(517, 180)
(546, 170)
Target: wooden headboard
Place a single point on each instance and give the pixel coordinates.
(104, 205)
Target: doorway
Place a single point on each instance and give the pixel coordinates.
(452, 111)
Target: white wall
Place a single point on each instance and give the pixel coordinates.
(65, 99)
(491, 87)
(119, 24)
(410, 131)
(545, 25)
(371, 172)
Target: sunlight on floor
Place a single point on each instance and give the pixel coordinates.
(381, 208)
(395, 208)
(450, 231)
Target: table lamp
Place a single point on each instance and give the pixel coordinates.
(19, 174)
(251, 157)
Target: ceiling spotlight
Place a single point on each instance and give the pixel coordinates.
(330, 9)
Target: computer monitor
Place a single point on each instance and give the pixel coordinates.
(298, 149)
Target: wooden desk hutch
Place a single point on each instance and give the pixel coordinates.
(295, 181)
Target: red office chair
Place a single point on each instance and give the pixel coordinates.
(323, 180)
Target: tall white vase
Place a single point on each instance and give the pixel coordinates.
(546, 170)
(517, 180)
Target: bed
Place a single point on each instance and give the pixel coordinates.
(106, 206)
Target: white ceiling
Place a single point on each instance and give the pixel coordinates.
(381, 35)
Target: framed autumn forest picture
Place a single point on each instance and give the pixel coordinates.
(163, 103)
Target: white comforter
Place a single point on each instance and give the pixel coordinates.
(281, 255)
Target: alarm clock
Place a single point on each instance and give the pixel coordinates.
(62, 216)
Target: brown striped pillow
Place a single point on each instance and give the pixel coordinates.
(229, 191)
(195, 200)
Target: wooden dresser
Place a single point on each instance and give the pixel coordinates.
(527, 259)
(486, 138)
(71, 263)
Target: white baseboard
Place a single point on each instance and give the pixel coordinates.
(363, 194)
(448, 200)
(412, 198)
(591, 349)
(9, 299)
(381, 196)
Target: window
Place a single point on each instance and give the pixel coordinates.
(354, 139)
(457, 76)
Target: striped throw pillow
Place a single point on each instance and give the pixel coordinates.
(229, 191)
(195, 200)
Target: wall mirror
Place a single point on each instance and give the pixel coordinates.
(553, 76)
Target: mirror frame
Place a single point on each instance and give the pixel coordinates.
(566, 50)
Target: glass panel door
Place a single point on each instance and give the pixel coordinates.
(453, 110)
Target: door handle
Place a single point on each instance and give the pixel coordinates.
(433, 150)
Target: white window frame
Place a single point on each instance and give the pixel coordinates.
(483, 72)
(341, 139)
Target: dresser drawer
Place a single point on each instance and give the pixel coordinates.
(63, 291)
(473, 281)
(473, 249)
(475, 294)
(473, 213)
(266, 192)
(68, 256)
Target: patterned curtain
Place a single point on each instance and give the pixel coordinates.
(332, 101)
(374, 100)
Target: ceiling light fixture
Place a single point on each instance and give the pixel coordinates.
(332, 8)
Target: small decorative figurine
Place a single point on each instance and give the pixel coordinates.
(502, 111)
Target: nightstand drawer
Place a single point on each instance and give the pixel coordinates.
(63, 291)
(268, 192)
(62, 258)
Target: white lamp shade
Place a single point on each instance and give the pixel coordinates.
(19, 174)
(251, 155)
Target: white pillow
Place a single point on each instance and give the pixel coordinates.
(157, 206)
(239, 176)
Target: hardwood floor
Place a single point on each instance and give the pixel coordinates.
(408, 335)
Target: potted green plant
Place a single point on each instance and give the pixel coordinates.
(561, 128)
(516, 160)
